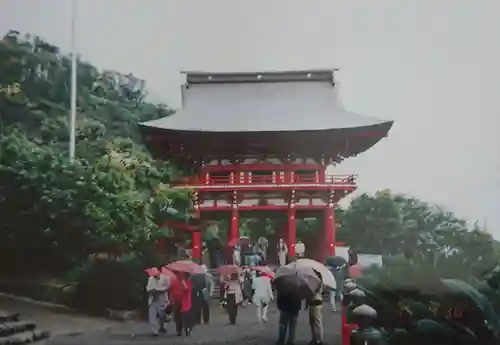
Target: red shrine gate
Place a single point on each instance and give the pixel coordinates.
(261, 142)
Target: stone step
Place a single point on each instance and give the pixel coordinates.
(26, 337)
(8, 328)
(7, 316)
(14, 331)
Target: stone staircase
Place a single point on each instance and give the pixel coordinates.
(13, 331)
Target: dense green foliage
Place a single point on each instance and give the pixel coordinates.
(416, 306)
(394, 225)
(111, 198)
(439, 283)
(104, 284)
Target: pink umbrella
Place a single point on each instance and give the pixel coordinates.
(229, 269)
(166, 272)
(264, 270)
(185, 266)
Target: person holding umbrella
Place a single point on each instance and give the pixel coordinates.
(289, 305)
(199, 282)
(337, 265)
(293, 283)
(157, 287)
(206, 293)
(233, 297)
(315, 304)
(181, 293)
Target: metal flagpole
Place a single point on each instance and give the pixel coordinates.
(72, 134)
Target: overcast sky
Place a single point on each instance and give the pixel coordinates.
(433, 66)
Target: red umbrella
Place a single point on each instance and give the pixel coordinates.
(242, 241)
(165, 271)
(264, 270)
(229, 269)
(185, 266)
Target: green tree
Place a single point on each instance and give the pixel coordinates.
(394, 225)
(112, 198)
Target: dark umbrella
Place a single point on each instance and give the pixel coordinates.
(295, 279)
(336, 261)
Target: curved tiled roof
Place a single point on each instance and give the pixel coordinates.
(262, 113)
(262, 102)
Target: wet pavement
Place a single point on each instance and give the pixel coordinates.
(56, 320)
(247, 331)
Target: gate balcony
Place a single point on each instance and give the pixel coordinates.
(275, 180)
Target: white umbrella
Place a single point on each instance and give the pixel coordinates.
(326, 275)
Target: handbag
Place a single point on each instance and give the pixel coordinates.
(169, 309)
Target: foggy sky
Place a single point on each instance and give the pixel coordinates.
(433, 66)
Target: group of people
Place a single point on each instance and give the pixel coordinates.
(185, 297)
(252, 255)
(256, 288)
(249, 287)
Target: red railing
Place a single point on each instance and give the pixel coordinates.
(277, 179)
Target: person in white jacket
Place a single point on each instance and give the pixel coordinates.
(237, 255)
(157, 288)
(262, 296)
(300, 249)
(282, 252)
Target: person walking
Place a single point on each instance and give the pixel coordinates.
(336, 294)
(315, 305)
(262, 296)
(300, 249)
(237, 255)
(233, 297)
(282, 252)
(181, 292)
(197, 296)
(289, 305)
(157, 288)
(207, 296)
(247, 287)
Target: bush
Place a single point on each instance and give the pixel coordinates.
(417, 306)
(111, 283)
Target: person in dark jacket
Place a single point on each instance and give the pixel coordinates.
(289, 305)
(207, 296)
(198, 297)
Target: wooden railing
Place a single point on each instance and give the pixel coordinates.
(270, 180)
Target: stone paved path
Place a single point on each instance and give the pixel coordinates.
(56, 320)
(246, 332)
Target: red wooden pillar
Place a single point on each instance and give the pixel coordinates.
(234, 226)
(329, 228)
(196, 243)
(291, 234)
(196, 238)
